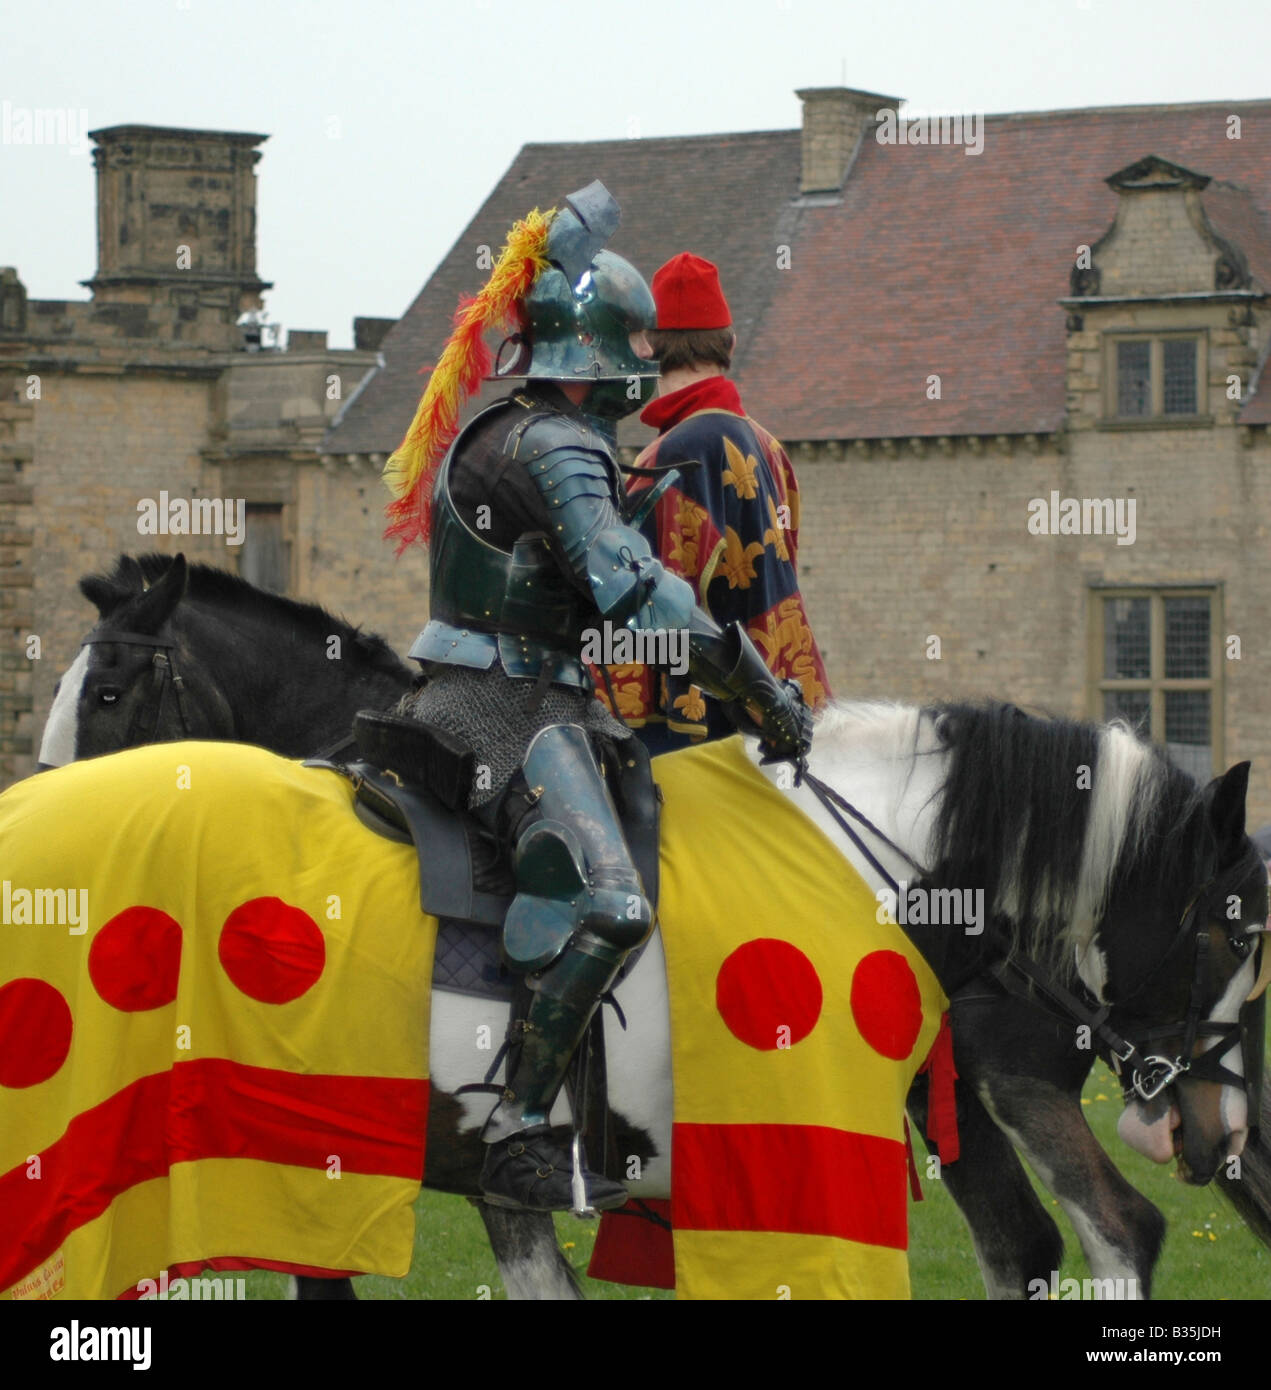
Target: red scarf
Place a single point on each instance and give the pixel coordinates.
(711, 393)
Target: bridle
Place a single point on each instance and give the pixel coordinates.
(1143, 1073)
(164, 676)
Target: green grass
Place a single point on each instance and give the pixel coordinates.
(1208, 1254)
(453, 1259)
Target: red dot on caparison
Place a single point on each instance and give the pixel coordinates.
(35, 1032)
(887, 1004)
(272, 951)
(135, 959)
(768, 993)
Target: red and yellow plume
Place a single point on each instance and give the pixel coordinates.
(464, 363)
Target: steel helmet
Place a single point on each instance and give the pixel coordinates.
(583, 310)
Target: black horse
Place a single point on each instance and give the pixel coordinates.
(255, 667)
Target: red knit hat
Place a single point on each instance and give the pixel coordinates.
(687, 293)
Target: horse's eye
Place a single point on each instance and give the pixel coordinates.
(107, 695)
(1241, 945)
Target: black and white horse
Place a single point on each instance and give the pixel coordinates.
(984, 797)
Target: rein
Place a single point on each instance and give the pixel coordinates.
(1148, 1075)
(833, 803)
(164, 674)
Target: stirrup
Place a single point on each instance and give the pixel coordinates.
(528, 1172)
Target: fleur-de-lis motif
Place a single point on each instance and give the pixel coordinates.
(738, 560)
(691, 705)
(775, 535)
(740, 473)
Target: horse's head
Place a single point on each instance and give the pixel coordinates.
(1183, 967)
(129, 684)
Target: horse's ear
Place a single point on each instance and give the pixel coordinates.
(107, 591)
(154, 607)
(1225, 802)
(101, 593)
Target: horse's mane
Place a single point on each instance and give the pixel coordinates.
(1043, 813)
(219, 588)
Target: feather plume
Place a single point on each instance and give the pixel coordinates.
(464, 363)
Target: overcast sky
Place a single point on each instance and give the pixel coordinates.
(390, 122)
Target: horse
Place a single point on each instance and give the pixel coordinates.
(1147, 884)
(1016, 1241)
(177, 654)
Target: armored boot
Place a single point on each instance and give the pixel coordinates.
(579, 910)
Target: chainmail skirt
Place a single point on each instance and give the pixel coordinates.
(490, 710)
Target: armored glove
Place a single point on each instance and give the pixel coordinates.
(727, 664)
(787, 721)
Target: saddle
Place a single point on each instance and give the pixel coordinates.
(410, 782)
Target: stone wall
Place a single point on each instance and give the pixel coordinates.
(17, 571)
(902, 541)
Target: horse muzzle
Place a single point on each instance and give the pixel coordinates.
(1148, 1126)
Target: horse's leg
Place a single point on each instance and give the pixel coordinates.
(1014, 1237)
(529, 1260)
(1026, 1069)
(1120, 1231)
(306, 1289)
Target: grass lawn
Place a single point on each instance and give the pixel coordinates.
(1209, 1254)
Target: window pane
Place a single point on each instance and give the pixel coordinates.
(1134, 706)
(1126, 639)
(1134, 378)
(1180, 376)
(1186, 637)
(1187, 738)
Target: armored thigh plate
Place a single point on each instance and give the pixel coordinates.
(573, 868)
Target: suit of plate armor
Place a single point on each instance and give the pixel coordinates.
(516, 579)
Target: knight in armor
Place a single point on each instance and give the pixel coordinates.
(528, 550)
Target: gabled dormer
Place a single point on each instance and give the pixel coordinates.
(1164, 305)
(1162, 241)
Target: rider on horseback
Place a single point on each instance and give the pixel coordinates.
(530, 549)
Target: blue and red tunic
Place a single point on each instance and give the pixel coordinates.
(730, 527)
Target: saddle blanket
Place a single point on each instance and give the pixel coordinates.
(222, 1060)
(214, 1021)
(798, 1021)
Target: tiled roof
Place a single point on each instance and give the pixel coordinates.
(720, 195)
(932, 262)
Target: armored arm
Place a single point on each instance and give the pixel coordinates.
(628, 584)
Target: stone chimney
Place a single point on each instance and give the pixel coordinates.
(369, 333)
(834, 121)
(12, 301)
(176, 218)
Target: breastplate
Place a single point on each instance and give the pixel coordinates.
(486, 601)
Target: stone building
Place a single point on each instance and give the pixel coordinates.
(1016, 360)
(153, 391)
